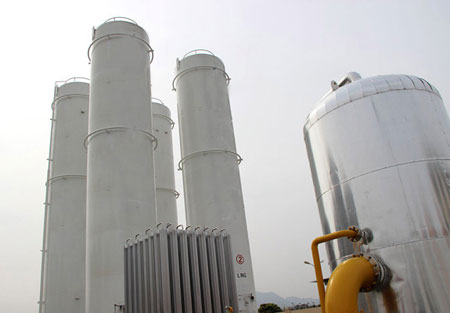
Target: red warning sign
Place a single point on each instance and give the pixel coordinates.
(240, 259)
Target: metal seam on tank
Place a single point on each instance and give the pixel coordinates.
(340, 105)
(410, 242)
(403, 243)
(379, 169)
(200, 67)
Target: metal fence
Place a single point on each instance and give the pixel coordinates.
(180, 271)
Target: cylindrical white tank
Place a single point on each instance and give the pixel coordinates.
(63, 282)
(121, 183)
(379, 150)
(166, 194)
(212, 185)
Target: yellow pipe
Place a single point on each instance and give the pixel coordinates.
(345, 283)
(351, 233)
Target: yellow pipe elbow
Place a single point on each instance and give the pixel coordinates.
(350, 233)
(345, 283)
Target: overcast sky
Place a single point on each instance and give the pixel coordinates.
(281, 56)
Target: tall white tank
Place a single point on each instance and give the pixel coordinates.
(210, 164)
(379, 150)
(166, 194)
(121, 183)
(63, 262)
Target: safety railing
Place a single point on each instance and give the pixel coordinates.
(202, 67)
(64, 177)
(180, 164)
(198, 51)
(68, 96)
(109, 36)
(119, 128)
(120, 19)
(172, 191)
(80, 79)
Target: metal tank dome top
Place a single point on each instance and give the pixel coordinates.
(360, 88)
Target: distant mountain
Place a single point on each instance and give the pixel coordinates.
(272, 297)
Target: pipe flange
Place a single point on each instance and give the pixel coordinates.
(379, 270)
(358, 235)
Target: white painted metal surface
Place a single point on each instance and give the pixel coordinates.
(379, 150)
(121, 184)
(166, 194)
(63, 262)
(212, 185)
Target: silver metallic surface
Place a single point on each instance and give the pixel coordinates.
(210, 164)
(183, 284)
(379, 151)
(63, 262)
(121, 184)
(166, 194)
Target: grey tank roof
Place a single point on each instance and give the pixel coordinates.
(363, 88)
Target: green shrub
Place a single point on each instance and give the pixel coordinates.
(269, 308)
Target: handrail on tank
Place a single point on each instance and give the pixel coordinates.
(76, 79)
(352, 233)
(119, 128)
(173, 191)
(120, 18)
(227, 77)
(239, 159)
(157, 100)
(67, 96)
(196, 51)
(108, 36)
(171, 122)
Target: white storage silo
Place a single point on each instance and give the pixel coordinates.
(63, 262)
(210, 164)
(166, 194)
(379, 151)
(121, 183)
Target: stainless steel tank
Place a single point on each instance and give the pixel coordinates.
(166, 194)
(64, 248)
(379, 151)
